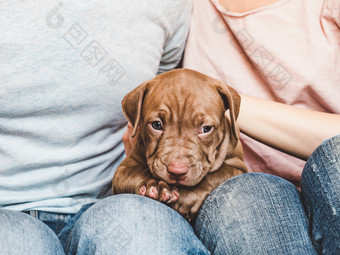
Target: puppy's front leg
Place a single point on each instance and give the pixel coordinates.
(133, 176)
(130, 176)
(192, 198)
(190, 201)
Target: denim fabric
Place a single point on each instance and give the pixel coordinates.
(122, 224)
(254, 213)
(55, 221)
(22, 234)
(64, 234)
(132, 224)
(263, 214)
(249, 214)
(320, 188)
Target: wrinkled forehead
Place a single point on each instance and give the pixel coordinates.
(183, 98)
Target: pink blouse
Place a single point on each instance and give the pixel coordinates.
(288, 52)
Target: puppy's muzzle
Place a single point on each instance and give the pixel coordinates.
(177, 168)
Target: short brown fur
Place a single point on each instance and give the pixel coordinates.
(183, 101)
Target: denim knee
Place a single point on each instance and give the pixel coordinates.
(324, 162)
(23, 234)
(131, 224)
(254, 213)
(320, 189)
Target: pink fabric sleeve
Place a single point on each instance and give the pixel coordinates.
(288, 52)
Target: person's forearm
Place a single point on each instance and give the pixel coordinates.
(290, 129)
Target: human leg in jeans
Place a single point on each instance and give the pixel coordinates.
(132, 224)
(320, 189)
(262, 214)
(254, 213)
(122, 224)
(21, 233)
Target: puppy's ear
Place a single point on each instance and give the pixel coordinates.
(132, 105)
(232, 101)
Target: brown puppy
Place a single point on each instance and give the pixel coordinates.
(188, 141)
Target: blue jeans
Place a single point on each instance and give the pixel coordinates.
(122, 224)
(249, 214)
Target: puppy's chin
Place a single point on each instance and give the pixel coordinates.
(177, 179)
(193, 177)
(182, 180)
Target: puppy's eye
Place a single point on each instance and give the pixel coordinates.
(157, 125)
(205, 129)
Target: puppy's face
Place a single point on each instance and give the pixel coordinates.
(184, 126)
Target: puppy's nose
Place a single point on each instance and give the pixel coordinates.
(178, 167)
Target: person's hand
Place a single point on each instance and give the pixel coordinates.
(128, 141)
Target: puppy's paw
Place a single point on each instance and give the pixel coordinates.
(159, 190)
(190, 202)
